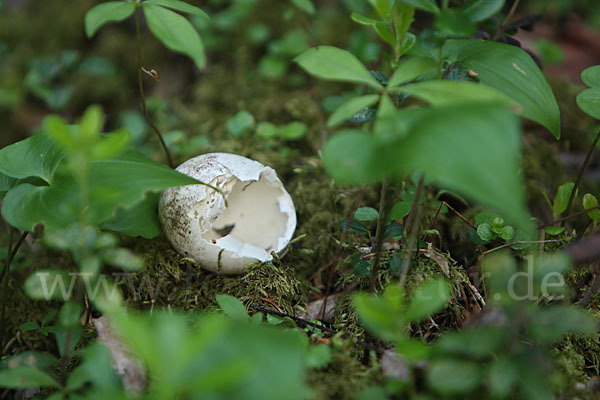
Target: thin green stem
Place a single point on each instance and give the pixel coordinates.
(379, 233)
(445, 4)
(141, 86)
(580, 174)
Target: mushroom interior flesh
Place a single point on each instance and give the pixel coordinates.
(254, 222)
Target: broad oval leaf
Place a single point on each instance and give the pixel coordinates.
(425, 5)
(443, 92)
(138, 220)
(111, 11)
(351, 107)
(327, 62)
(305, 5)
(454, 376)
(232, 307)
(473, 149)
(121, 181)
(429, 298)
(589, 102)
(37, 156)
(513, 72)
(479, 10)
(349, 157)
(410, 69)
(49, 284)
(591, 76)
(175, 32)
(366, 214)
(26, 377)
(179, 6)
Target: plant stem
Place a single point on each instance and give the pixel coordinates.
(338, 251)
(445, 4)
(141, 86)
(580, 174)
(381, 220)
(412, 223)
(510, 14)
(12, 251)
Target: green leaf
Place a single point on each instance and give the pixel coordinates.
(589, 201)
(502, 376)
(29, 326)
(318, 356)
(26, 377)
(512, 71)
(453, 376)
(479, 10)
(507, 233)
(471, 149)
(484, 231)
(305, 5)
(400, 210)
(349, 157)
(122, 181)
(366, 214)
(361, 19)
(179, 6)
(331, 63)
(49, 284)
(123, 258)
(239, 124)
(428, 299)
(410, 69)
(292, 131)
(549, 324)
(425, 5)
(384, 33)
(355, 226)
(589, 102)
(454, 22)
(378, 316)
(351, 107)
(175, 32)
(138, 220)
(37, 156)
(443, 92)
(554, 230)
(561, 200)
(111, 11)
(393, 230)
(591, 76)
(362, 266)
(232, 307)
(396, 264)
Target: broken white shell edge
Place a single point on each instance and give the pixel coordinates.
(187, 213)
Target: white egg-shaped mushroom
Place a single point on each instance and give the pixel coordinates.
(259, 218)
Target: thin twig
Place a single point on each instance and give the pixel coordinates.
(319, 326)
(414, 231)
(580, 174)
(141, 87)
(520, 242)
(577, 214)
(383, 215)
(510, 14)
(454, 211)
(413, 206)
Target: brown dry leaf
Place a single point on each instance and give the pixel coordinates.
(314, 309)
(439, 259)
